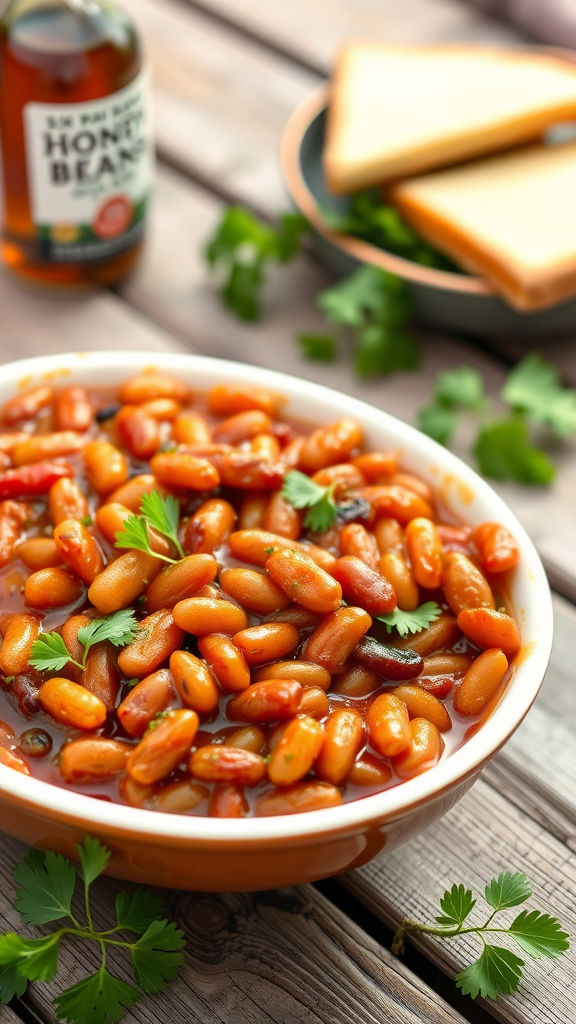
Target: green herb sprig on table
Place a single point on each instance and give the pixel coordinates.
(163, 515)
(46, 886)
(497, 969)
(50, 654)
(411, 622)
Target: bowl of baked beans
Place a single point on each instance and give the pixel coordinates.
(254, 631)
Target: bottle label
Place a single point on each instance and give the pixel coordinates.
(90, 168)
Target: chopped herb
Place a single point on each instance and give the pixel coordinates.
(160, 513)
(86, 520)
(411, 622)
(302, 492)
(50, 654)
(504, 452)
(269, 551)
(533, 387)
(319, 347)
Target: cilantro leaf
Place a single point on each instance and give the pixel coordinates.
(136, 912)
(438, 422)
(156, 956)
(456, 904)
(163, 514)
(93, 858)
(12, 983)
(49, 653)
(348, 301)
(496, 970)
(302, 492)
(533, 386)
(539, 934)
(134, 534)
(320, 517)
(508, 890)
(504, 452)
(384, 348)
(319, 347)
(47, 882)
(462, 387)
(411, 622)
(119, 628)
(97, 999)
(33, 959)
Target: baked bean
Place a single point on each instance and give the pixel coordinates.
(488, 628)
(110, 519)
(266, 447)
(151, 695)
(164, 745)
(194, 682)
(446, 664)
(72, 409)
(296, 751)
(243, 426)
(69, 633)
(281, 518)
(306, 672)
(422, 704)
(388, 725)
(480, 682)
(304, 796)
(227, 764)
(8, 443)
(229, 399)
(212, 453)
(246, 470)
(71, 704)
(256, 546)
(131, 493)
(335, 638)
(35, 743)
(389, 537)
(26, 405)
(298, 617)
(138, 432)
(249, 737)
(370, 771)
(178, 469)
(204, 615)
(179, 581)
(46, 446)
(439, 686)
(106, 467)
(92, 759)
(266, 642)
(165, 410)
(414, 483)
(21, 632)
(455, 538)
(66, 501)
(226, 662)
(228, 801)
(158, 637)
(52, 588)
(328, 445)
(11, 760)
(356, 681)
(396, 502)
(178, 797)
(255, 591)
(13, 515)
(290, 456)
(464, 584)
(357, 541)
(252, 511)
(363, 586)
(149, 386)
(496, 546)
(346, 477)
(314, 702)
(122, 581)
(209, 527)
(269, 701)
(395, 569)
(343, 737)
(39, 553)
(425, 551)
(136, 794)
(78, 550)
(390, 662)
(191, 429)
(101, 675)
(442, 633)
(376, 466)
(303, 581)
(423, 751)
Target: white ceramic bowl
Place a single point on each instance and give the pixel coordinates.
(258, 853)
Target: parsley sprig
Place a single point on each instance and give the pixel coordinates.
(302, 492)
(163, 515)
(411, 622)
(50, 654)
(46, 887)
(497, 969)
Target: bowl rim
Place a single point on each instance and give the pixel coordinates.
(57, 803)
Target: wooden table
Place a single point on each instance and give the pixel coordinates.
(227, 73)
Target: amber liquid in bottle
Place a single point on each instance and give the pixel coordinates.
(63, 53)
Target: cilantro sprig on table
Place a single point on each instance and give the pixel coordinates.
(302, 492)
(498, 969)
(46, 888)
(160, 513)
(50, 654)
(411, 622)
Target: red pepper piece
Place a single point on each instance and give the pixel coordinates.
(32, 480)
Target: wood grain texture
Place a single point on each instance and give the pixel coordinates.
(7, 1016)
(283, 956)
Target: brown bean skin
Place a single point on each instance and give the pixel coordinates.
(72, 409)
(256, 546)
(227, 764)
(252, 511)
(204, 615)
(295, 753)
(421, 704)
(106, 466)
(416, 484)
(13, 515)
(396, 502)
(229, 399)
(194, 682)
(163, 747)
(343, 738)
(446, 664)
(122, 581)
(356, 681)
(22, 631)
(178, 469)
(46, 446)
(443, 632)
(464, 584)
(69, 632)
(243, 426)
(298, 617)
(11, 760)
(388, 725)
(314, 703)
(110, 519)
(52, 588)
(139, 433)
(281, 518)
(356, 540)
(370, 771)
(254, 590)
(395, 569)
(178, 797)
(78, 550)
(377, 466)
(92, 759)
(266, 642)
(488, 628)
(209, 527)
(272, 700)
(329, 445)
(480, 682)
(496, 546)
(26, 405)
(423, 752)
(249, 737)
(266, 447)
(304, 796)
(306, 672)
(425, 551)
(71, 704)
(363, 586)
(346, 477)
(130, 494)
(39, 553)
(225, 662)
(247, 470)
(228, 801)
(389, 536)
(101, 675)
(159, 636)
(336, 637)
(304, 582)
(191, 429)
(66, 501)
(153, 694)
(388, 661)
(149, 386)
(179, 581)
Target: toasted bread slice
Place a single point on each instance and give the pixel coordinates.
(511, 218)
(397, 111)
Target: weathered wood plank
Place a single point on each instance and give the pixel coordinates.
(273, 957)
(7, 1016)
(480, 837)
